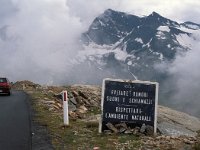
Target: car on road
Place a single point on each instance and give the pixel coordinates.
(5, 87)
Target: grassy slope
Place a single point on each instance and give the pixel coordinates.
(78, 135)
(84, 135)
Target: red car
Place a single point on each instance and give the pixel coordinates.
(5, 87)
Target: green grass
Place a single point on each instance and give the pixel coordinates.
(94, 111)
(197, 146)
(79, 135)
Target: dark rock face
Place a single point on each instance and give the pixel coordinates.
(109, 27)
(131, 47)
(146, 41)
(135, 34)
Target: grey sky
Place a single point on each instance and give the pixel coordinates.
(40, 36)
(180, 10)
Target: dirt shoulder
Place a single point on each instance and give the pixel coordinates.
(41, 139)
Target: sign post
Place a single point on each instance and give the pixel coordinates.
(131, 102)
(65, 108)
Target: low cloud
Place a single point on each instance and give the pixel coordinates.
(186, 73)
(7, 9)
(38, 38)
(37, 42)
(181, 89)
(88, 9)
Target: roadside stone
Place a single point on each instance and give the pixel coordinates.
(80, 115)
(59, 105)
(94, 103)
(48, 102)
(149, 130)
(82, 94)
(73, 115)
(82, 109)
(58, 96)
(128, 131)
(121, 125)
(122, 130)
(143, 128)
(56, 107)
(136, 130)
(75, 93)
(72, 107)
(86, 102)
(73, 100)
(187, 141)
(112, 127)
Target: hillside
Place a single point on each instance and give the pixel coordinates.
(176, 130)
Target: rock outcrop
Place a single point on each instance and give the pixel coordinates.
(172, 122)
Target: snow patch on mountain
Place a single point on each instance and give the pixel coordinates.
(169, 45)
(160, 35)
(94, 28)
(139, 40)
(93, 52)
(161, 57)
(184, 40)
(193, 26)
(185, 29)
(149, 43)
(163, 28)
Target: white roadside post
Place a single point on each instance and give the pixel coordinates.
(65, 108)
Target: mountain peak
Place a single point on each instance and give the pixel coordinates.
(112, 26)
(155, 18)
(155, 14)
(109, 11)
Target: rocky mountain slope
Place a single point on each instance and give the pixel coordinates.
(176, 130)
(134, 45)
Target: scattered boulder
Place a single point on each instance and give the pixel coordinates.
(72, 107)
(143, 128)
(149, 130)
(82, 109)
(112, 127)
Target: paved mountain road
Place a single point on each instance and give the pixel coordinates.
(15, 122)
